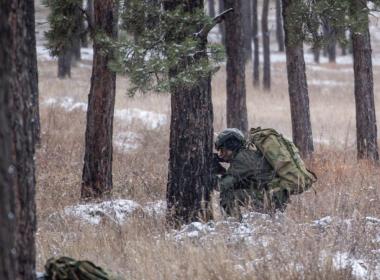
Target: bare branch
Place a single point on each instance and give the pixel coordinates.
(202, 34)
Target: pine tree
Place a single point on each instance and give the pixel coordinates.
(266, 45)
(279, 27)
(297, 82)
(366, 128)
(255, 36)
(66, 26)
(331, 39)
(236, 95)
(246, 18)
(173, 55)
(352, 16)
(97, 169)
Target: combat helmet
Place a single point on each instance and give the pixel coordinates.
(230, 138)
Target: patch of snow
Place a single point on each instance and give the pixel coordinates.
(116, 210)
(278, 57)
(155, 208)
(243, 230)
(344, 260)
(93, 213)
(67, 103)
(151, 120)
(43, 54)
(87, 53)
(326, 83)
(319, 67)
(373, 220)
(126, 141)
(323, 222)
(193, 230)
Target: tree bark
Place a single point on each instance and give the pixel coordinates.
(77, 38)
(246, 18)
(8, 231)
(90, 10)
(255, 35)
(266, 45)
(329, 33)
(297, 82)
(17, 137)
(236, 95)
(97, 170)
(32, 66)
(279, 27)
(211, 8)
(316, 54)
(64, 64)
(366, 129)
(191, 139)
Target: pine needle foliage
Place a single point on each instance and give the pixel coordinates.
(64, 26)
(163, 40)
(309, 16)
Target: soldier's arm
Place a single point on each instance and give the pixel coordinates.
(227, 182)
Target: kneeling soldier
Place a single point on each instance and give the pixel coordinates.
(245, 182)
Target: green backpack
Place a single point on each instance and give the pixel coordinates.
(284, 157)
(65, 268)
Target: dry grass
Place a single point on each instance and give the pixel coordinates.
(143, 249)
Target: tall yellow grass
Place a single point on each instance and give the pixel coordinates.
(142, 247)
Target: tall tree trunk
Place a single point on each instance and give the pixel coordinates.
(255, 35)
(64, 64)
(331, 48)
(316, 53)
(366, 129)
(297, 83)
(17, 140)
(90, 11)
(191, 139)
(97, 169)
(8, 261)
(83, 30)
(32, 66)
(316, 47)
(246, 18)
(330, 35)
(76, 45)
(279, 27)
(211, 8)
(236, 95)
(266, 45)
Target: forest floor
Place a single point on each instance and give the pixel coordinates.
(333, 234)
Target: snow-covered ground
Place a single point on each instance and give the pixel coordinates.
(123, 141)
(149, 119)
(255, 230)
(43, 54)
(116, 210)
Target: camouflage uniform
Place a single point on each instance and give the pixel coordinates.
(245, 182)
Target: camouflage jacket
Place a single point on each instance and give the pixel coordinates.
(248, 170)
